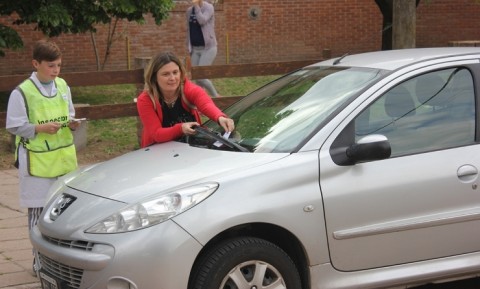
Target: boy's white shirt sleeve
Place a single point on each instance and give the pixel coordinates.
(17, 120)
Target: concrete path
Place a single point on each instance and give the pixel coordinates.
(15, 249)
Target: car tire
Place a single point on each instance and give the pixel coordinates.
(245, 262)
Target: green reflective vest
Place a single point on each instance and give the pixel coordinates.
(48, 155)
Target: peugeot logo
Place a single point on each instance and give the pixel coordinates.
(61, 204)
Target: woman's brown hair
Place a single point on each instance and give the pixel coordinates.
(157, 62)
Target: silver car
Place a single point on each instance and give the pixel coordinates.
(355, 172)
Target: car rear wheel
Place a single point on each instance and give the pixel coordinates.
(245, 263)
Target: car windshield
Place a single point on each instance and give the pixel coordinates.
(282, 114)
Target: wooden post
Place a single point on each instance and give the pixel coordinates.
(140, 63)
(81, 133)
(326, 54)
(188, 66)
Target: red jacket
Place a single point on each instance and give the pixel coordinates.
(154, 132)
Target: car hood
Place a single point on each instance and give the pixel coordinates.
(160, 168)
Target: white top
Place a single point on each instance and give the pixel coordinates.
(33, 190)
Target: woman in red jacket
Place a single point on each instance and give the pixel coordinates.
(170, 104)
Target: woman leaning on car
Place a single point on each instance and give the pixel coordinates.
(170, 104)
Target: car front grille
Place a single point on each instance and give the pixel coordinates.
(81, 245)
(69, 275)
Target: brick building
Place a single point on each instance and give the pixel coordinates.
(258, 31)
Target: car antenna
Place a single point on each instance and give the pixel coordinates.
(337, 61)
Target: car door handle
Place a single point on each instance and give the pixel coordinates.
(467, 173)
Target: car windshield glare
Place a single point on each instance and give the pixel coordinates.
(282, 114)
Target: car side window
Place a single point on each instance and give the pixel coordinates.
(429, 112)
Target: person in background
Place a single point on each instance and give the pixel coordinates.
(170, 104)
(39, 114)
(201, 39)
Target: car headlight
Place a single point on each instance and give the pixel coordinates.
(154, 210)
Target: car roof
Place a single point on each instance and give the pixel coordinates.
(394, 59)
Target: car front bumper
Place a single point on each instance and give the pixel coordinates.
(147, 258)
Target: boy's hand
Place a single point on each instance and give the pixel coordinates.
(50, 127)
(75, 122)
(73, 125)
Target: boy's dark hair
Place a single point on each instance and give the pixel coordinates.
(45, 50)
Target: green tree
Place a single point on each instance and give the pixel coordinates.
(55, 17)
(9, 39)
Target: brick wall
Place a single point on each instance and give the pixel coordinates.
(441, 21)
(282, 30)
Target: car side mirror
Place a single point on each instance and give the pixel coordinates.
(369, 148)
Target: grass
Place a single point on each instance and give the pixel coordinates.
(112, 137)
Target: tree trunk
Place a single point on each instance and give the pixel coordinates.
(386, 7)
(404, 28)
(95, 49)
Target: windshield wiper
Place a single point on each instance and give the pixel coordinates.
(221, 139)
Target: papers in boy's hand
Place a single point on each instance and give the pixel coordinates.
(78, 119)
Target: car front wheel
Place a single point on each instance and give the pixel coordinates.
(245, 263)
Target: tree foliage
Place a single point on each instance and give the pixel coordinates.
(9, 39)
(55, 17)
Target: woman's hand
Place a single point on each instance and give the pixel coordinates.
(49, 127)
(226, 123)
(187, 128)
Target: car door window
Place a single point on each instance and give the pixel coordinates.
(432, 111)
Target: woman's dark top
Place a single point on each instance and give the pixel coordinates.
(196, 34)
(176, 114)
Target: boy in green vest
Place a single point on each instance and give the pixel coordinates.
(39, 114)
